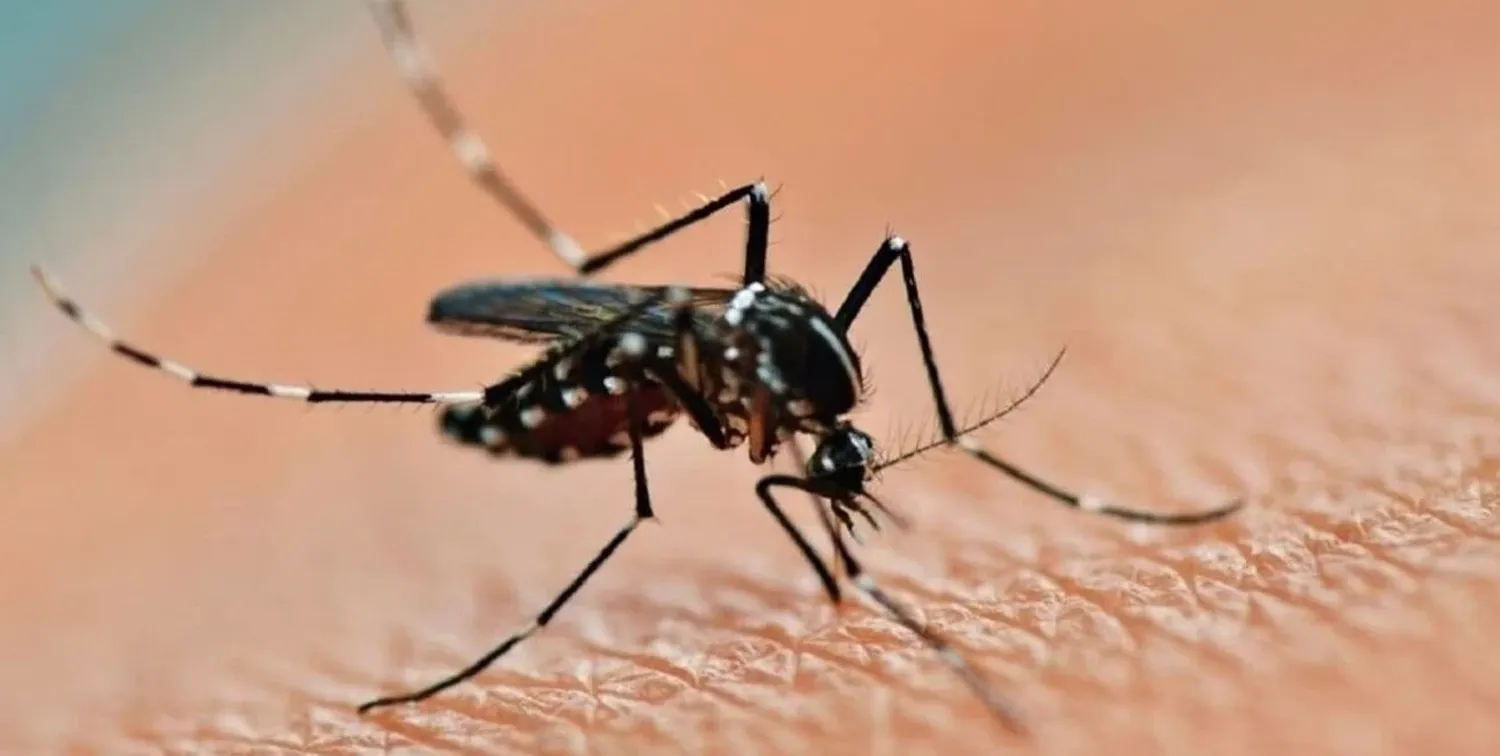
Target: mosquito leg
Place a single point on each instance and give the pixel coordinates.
(642, 512)
(103, 332)
(866, 585)
(825, 513)
(895, 248)
(471, 152)
(950, 656)
(490, 395)
(681, 379)
(757, 209)
(763, 490)
(695, 405)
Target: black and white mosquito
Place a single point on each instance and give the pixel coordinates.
(750, 366)
(755, 365)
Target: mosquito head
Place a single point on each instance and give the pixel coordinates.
(797, 352)
(844, 461)
(844, 458)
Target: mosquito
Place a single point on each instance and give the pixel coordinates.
(623, 363)
(753, 366)
(767, 360)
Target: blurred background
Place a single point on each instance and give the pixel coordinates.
(1266, 236)
(115, 116)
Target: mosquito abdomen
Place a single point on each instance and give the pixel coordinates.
(598, 428)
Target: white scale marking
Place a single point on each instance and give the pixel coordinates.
(457, 397)
(411, 62)
(564, 247)
(96, 326)
(472, 153)
(178, 369)
(531, 417)
(633, 344)
(1092, 503)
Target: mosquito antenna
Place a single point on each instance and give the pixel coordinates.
(984, 420)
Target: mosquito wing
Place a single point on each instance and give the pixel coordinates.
(544, 311)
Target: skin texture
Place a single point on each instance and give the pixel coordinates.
(1267, 238)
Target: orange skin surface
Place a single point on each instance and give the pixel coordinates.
(1266, 237)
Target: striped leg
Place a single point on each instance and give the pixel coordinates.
(396, 31)
(895, 249)
(471, 152)
(203, 380)
(642, 513)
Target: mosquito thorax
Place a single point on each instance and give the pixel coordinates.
(843, 456)
(783, 341)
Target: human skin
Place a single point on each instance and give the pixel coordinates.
(1266, 238)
